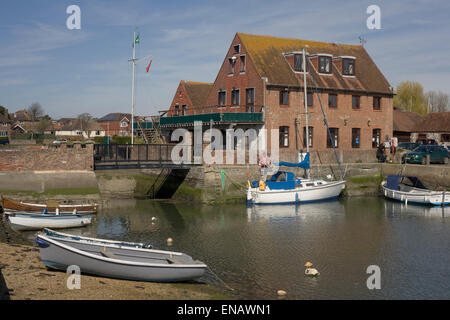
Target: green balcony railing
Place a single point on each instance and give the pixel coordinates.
(239, 117)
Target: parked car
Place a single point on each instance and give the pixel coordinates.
(426, 141)
(59, 141)
(438, 154)
(408, 145)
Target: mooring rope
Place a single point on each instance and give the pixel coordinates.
(218, 278)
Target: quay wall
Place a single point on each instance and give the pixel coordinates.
(47, 158)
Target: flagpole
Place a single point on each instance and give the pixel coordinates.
(133, 60)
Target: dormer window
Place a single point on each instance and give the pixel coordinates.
(298, 62)
(325, 64)
(348, 67)
(237, 49)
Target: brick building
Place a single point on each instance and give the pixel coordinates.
(404, 123)
(264, 74)
(189, 98)
(116, 124)
(433, 126)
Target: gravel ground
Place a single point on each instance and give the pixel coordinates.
(24, 277)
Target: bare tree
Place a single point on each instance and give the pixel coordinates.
(438, 101)
(35, 110)
(84, 120)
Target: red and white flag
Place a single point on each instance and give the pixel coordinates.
(148, 67)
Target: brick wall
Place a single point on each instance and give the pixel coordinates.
(46, 158)
(181, 98)
(342, 117)
(239, 80)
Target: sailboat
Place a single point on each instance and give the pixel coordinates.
(284, 188)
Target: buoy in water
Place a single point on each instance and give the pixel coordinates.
(308, 264)
(281, 292)
(153, 218)
(312, 272)
(169, 241)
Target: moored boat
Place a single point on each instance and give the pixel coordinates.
(293, 190)
(40, 221)
(70, 238)
(284, 188)
(50, 207)
(97, 257)
(410, 189)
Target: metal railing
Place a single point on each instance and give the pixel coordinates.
(117, 156)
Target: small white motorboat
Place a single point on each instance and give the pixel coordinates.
(409, 189)
(40, 221)
(116, 259)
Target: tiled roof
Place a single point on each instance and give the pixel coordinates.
(76, 125)
(405, 121)
(267, 55)
(434, 122)
(116, 116)
(197, 92)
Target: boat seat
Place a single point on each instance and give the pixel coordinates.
(108, 254)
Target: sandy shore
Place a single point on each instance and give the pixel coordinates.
(23, 276)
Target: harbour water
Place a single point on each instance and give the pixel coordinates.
(260, 250)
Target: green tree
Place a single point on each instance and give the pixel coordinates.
(411, 97)
(43, 124)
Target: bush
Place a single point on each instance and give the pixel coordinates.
(45, 136)
(121, 140)
(21, 136)
(99, 140)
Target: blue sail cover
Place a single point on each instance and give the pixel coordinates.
(304, 164)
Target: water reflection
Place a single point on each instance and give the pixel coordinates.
(396, 208)
(262, 249)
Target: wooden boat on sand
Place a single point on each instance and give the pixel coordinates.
(51, 206)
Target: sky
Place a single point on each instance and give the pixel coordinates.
(70, 72)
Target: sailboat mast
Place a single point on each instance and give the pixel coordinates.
(133, 60)
(306, 108)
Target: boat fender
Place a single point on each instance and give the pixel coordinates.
(262, 185)
(42, 243)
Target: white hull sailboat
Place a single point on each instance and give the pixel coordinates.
(284, 188)
(306, 191)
